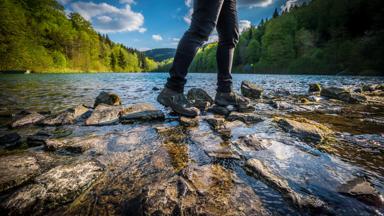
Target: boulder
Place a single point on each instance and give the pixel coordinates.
(305, 129)
(30, 118)
(17, 169)
(199, 98)
(262, 172)
(140, 112)
(362, 190)
(314, 87)
(11, 140)
(342, 95)
(108, 99)
(189, 122)
(251, 90)
(54, 188)
(219, 110)
(67, 117)
(75, 144)
(248, 118)
(104, 115)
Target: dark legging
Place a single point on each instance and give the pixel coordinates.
(207, 14)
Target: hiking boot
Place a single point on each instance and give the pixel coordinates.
(231, 98)
(177, 102)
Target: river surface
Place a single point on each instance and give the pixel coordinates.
(137, 155)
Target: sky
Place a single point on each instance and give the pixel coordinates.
(148, 24)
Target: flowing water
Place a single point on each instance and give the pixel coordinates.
(138, 158)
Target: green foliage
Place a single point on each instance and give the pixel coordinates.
(37, 35)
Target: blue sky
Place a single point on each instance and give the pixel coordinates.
(147, 24)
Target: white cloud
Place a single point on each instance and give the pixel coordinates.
(107, 18)
(175, 39)
(63, 2)
(157, 37)
(244, 24)
(143, 49)
(127, 1)
(292, 3)
(188, 17)
(188, 3)
(254, 3)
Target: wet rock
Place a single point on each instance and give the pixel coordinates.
(199, 98)
(314, 98)
(251, 90)
(104, 115)
(305, 129)
(11, 140)
(219, 110)
(189, 122)
(27, 119)
(76, 144)
(155, 89)
(140, 112)
(40, 137)
(369, 88)
(17, 169)
(54, 188)
(342, 95)
(281, 93)
(262, 172)
(362, 190)
(314, 87)
(248, 118)
(281, 105)
(67, 117)
(218, 125)
(252, 143)
(107, 98)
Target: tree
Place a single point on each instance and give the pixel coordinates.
(275, 13)
(113, 62)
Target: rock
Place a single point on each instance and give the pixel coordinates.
(251, 90)
(262, 172)
(362, 190)
(104, 115)
(189, 122)
(27, 119)
(11, 140)
(75, 144)
(281, 105)
(219, 110)
(218, 125)
(305, 129)
(248, 118)
(342, 95)
(199, 98)
(281, 92)
(67, 117)
(16, 169)
(107, 98)
(54, 188)
(140, 112)
(314, 98)
(252, 143)
(155, 89)
(40, 137)
(369, 88)
(304, 100)
(314, 87)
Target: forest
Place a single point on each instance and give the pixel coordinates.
(40, 36)
(323, 37)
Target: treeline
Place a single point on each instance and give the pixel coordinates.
(37, 35)
(323, 37)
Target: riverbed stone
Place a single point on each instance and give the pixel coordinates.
(219, 110)
(140, 112)
(10, 140)
(251, 90)
(362, 190)
(30, 118)
(76, 144)
(67, 117)
(40, 137)
(17, 169)
(199, 98)
(189, 122)
(314, 87)
(342, 95)
(56, 187)
(218, 125)
(248, 118)
(281, 105)
(304, 129)
(104, 115)
(252, 142)
(258, 169)
(107, 98)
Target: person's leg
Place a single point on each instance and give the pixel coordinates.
(204, 20)
(228, 30)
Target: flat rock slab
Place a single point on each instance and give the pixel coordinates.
(30, 118)
(305, 129)
(76, 144)
(189, 122)
(67, 117)
(104, 115)
(17, 169)
(251, 143)
(40, 137)
(362, 190)
(56, 187)
(342, 95)
(248, 118)
(140, 112)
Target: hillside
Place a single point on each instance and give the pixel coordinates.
(323, 37)
(39, 36)
(160, 54)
